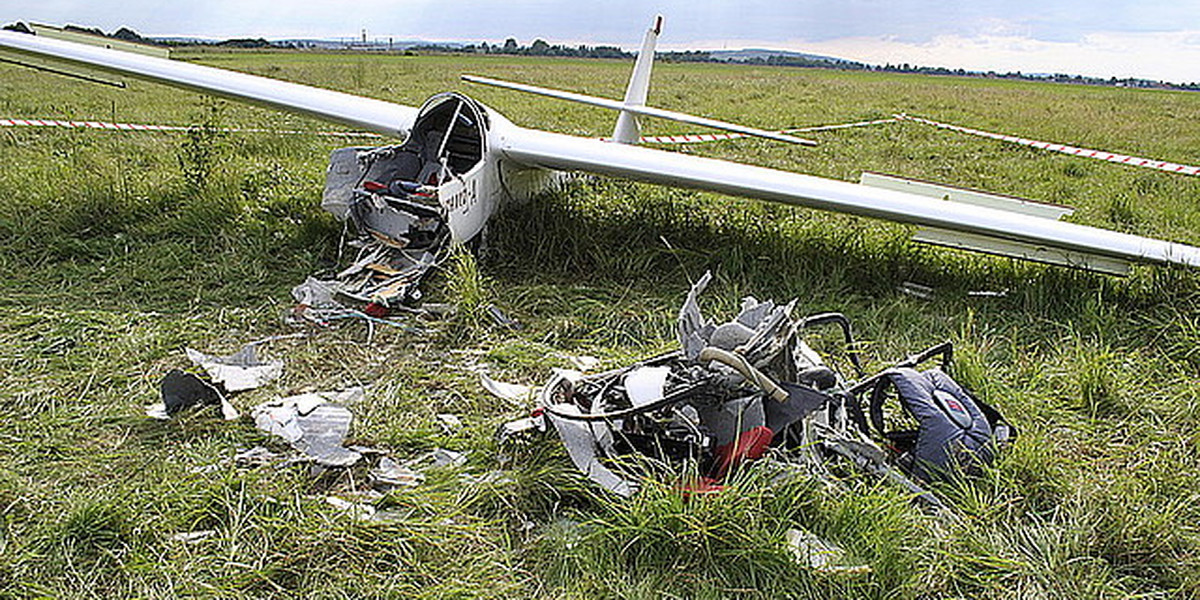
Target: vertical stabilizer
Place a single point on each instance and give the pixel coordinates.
(628, 131)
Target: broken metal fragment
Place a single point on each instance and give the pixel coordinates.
(581, 443)
(240, 371)
(314, 423)
(820, 555)
(390, 475)
(513, 392)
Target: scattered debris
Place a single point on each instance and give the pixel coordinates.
(390, 475)
(441, 457)
(450, 423)
(315, 305)
(438, 310)
(181, 390)
(500, 319)
(820, 555)
(314, 423)
(193, 537)
(240, 371)
(357, 510)
(740, 390)
(258, 456)
(512, 392)
(583, 363)
(916, 290)
(988, 293)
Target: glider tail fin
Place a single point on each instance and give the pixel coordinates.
(628, 131)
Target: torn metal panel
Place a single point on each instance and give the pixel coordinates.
(314, 423)
(694, 329)
(820, 555)
(391, 475)
(512, 392)
(240, 371)
(582, 446)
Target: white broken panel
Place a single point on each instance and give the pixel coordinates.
(314, 423)
(240, 371)
(646, 384)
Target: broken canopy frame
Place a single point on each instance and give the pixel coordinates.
(735, 391)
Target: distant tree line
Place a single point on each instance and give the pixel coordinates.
(542, 48)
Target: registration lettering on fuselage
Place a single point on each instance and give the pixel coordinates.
(462, 198)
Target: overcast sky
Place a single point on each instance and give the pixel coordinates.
(1158, 39)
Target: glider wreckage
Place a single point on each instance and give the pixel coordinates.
(733, 391)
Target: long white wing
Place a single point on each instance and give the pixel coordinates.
(1073, 243)
(382, 117)
(638, 109)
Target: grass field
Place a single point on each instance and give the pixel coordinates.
(119, 249)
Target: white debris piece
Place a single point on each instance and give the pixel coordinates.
(646, 384)
(193, 537)
(314, 423)
(389, 475)
(512, 392)
(450, 423)
(358, 510)
(582, 362)
(240, 371)
(819, 555)
(316, 293)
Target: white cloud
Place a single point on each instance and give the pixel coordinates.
(1173, 56)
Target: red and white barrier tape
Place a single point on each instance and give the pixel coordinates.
(167, 128)
(1149, 163)
(715, 137)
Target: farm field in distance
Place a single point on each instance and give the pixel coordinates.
(117, 250)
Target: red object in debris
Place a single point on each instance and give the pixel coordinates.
(374, 186)
(751, 444)
(376, 310)
(702, 485)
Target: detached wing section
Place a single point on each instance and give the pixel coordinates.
(381, 117)
(1014, 234)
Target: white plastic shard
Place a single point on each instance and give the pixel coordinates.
(580, 442)
(513, 392)
(314, 423)
(391, 475)
(820, 555)
(240, 371)
(646, 384)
